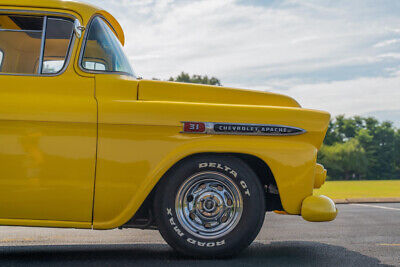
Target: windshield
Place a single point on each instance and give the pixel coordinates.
(103, 51)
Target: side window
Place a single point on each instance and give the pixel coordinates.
(58, 36)
(20, 41)
(30, 44)
(103, 52)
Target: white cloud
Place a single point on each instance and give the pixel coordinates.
(389, 55)
(352, 97)
(387, 43)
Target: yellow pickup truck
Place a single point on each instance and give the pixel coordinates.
(85, 144)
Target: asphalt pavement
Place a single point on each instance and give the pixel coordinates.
(362, 235)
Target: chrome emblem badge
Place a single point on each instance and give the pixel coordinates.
(240, 129)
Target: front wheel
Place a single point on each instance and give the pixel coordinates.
(210, 206)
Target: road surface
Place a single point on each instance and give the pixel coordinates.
(362, 235)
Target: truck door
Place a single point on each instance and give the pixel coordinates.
(48, 122)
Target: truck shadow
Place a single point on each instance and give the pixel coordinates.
(289, 253)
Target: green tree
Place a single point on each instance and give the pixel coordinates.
(397, 153)
(186, 78)
(380, 143)
(384, 145)
(332, 135)
(342, 129)
(344, 160)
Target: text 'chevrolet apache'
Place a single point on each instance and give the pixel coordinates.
(85, 144)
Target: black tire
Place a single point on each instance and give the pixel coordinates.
(214, 170)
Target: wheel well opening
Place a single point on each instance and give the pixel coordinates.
(267, 179)
(143, 218)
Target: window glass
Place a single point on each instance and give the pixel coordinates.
(52, 66)
(102, 46)
(26, 23)
(21, 43)
(58, 36)
(92, 65)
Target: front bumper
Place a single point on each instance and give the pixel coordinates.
(318, 209)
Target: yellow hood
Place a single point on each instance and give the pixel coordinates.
(184, 92)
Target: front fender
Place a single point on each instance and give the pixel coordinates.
(118, 198)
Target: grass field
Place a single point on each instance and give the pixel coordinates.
(360, 189)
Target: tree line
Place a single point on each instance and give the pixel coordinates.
(354, 148)
(361, 148)
(201, 79)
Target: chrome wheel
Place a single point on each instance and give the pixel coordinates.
(209, 205)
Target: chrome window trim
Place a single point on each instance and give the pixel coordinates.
(70, 46)
(42, 45)
(15, 30)
(84, 46)
(2, 58)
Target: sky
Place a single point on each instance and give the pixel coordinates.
(341, 56)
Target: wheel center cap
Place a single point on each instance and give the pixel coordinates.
(209, 205)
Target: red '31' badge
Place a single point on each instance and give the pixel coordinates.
(194, 127)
